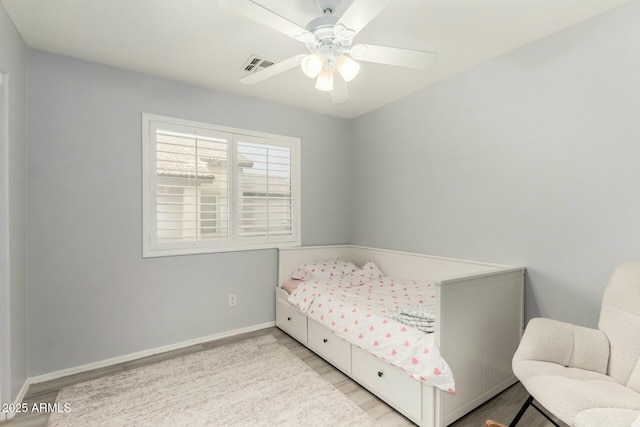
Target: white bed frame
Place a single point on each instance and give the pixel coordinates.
(479, 323)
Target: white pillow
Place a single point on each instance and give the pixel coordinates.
(324, 269)
(365, 274)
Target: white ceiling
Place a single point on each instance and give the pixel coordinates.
(200, 42)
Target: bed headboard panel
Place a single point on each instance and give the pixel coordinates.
(399, 265)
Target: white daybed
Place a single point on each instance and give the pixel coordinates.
(478, 325)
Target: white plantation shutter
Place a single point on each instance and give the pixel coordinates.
(208, 188)
(265, 190)
(191, 184)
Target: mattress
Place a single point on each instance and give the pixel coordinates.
(360, 315)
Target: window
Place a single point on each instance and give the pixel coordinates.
(209, 188)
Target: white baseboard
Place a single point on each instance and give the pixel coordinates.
(145, 353)
(19, 398)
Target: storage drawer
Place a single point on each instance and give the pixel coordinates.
(388, 382)
(291, 320)
(332, 348)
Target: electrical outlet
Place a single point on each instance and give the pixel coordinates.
(233, 300)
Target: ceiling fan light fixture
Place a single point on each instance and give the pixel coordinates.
(325, 80)
(312, 64)
(347, 67)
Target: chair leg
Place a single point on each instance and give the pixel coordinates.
(545, 415)
(525, 406)
(521, 411)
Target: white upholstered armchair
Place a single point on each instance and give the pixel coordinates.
(588, 377)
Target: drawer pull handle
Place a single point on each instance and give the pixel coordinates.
(288, 318)
(324, 340)
(380, 374)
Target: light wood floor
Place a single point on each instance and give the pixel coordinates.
(501, 408)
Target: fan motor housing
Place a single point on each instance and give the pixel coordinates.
(322, 27)
(327, 41)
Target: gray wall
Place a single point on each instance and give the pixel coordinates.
(13, 335)
(91, 295)
(532, 158)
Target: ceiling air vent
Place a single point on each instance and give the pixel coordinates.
(256, 63)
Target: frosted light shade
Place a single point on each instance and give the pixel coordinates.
(325, 80)
(312, 64)
(347, 67)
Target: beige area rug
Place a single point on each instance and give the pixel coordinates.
(256, 382)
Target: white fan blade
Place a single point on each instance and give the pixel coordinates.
(267, 17)
(417, 59)
(360, 13)
(271, 71)
(340, 92)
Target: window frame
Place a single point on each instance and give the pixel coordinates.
(233, 242)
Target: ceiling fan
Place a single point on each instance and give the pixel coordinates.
(332, 58)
